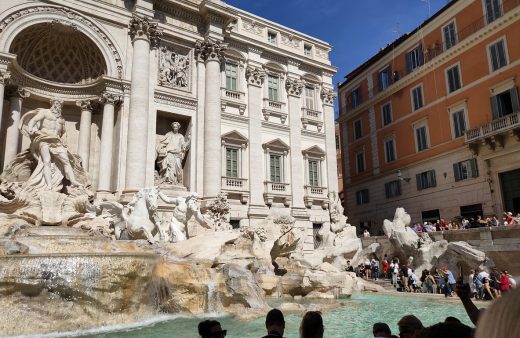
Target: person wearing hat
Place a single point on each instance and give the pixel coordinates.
(381, 330)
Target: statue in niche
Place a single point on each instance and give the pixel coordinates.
(171, 150)
(174, 69)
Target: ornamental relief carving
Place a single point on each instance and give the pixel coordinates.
(255, 76)
(294, 87)
(174, 68)
(252, 27)
(290, 41)
(322, 53)
(328, 96)
(145, 28)
(209, 50)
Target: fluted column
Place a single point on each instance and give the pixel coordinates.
(5, 75)
(211, 51)
(107, 139)
(294, 89)
(255, 79)
(327, 97)
(12, 135)
(85, 124)
(144, 33)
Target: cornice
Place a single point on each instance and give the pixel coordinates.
(312, 133)
(275, 126)
(161, 97)
(235, 118)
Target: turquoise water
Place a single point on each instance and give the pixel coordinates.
(354, 319)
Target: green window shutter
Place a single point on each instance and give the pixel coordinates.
(494, 107)
(513, 92)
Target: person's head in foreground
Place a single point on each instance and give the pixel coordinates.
(312, 325)
(211, 329)
(447, 329)
(275, 322)
(501, 319)
(381, 330)
(408, 326)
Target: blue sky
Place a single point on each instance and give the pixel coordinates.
(355, 29)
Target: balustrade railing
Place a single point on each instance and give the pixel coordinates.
(311, 114)
(315, 191)
(277, 188)
(494, 127)
(234, 183)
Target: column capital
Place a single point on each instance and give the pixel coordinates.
(5, 75)
(210, 50)
(18, 92)
(294, 87)
(109, 98)
(328, 96)
(85, 105)
(145, 28)
(255, 76)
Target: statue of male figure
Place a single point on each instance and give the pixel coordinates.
(46, 129)
(170, 152)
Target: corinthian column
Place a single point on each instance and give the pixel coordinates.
(330, 139)
(85, 124)
(255, 79)
(4, 77)
(107, 139)
(294, 89)
(144, 33)
(211, 52)
(12, 135)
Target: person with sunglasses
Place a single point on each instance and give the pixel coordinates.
(211, 329)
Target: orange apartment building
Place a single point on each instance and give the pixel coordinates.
(431, 123)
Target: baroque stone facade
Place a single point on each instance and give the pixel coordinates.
(255, 99)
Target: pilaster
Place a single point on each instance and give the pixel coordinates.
(328, 97)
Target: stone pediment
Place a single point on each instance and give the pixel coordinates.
(314, 151)
(234, 137)
(277, 145)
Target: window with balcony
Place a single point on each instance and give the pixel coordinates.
(505, 103)
(276, 170)
(393, 189)
(314, 173)
(386, 114)
(272, 37)
(355, 98)
(453, 78)
(307, 50)
(421, 137)
(360, 162)
(465, 169)
(231, 70)
(310, 95)
(273, 87)
(362, 197)
(358, 131)
(493, 10)
(231, 162)
(414, 59)
(234, 147)
(426, 180)
(497, 55)
(417, 98)
(384, 78)
(458, 123)
(449, 34)
(390, 150)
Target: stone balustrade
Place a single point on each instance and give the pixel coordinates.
(498, 126)
(315, 194)
(234, 183)
(274, 108)
(277, 191)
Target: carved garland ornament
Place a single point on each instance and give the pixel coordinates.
(210, 50)
(69, 16)
(144, 28)
(328, 96)
(294, 87)
(255, 76)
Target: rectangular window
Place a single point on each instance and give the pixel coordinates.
(421, 138)
(497, 55)
(493, 10)
(231, 76)
(414, 59)
(465, 169)
(271, 37)
(417, 97)
(358, 131)
(450, 35)
(309, 98)
(362, 197)
(458, 119)
(386, 112)
(384, 78)
(276, 167)
(393, 189)
(307, 50)
(505, 103)
(426, 180)
(355, 98)
(273, 87)
(313, 173)
(232, 162)
(360, 162)
(390, 150)
(453, 77)
(316, 227)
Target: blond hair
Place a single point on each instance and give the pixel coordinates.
(501, 318)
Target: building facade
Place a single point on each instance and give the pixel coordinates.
(252, 99)
(431, 122)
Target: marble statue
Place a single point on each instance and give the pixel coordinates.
(171, 150)
(46, 129)
(338, 219)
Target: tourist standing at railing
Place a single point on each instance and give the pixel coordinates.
(385, 267)
(374, 265)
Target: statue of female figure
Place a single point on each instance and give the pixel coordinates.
(171, 150)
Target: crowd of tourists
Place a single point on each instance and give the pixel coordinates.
(500, 320)
(508, 219)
